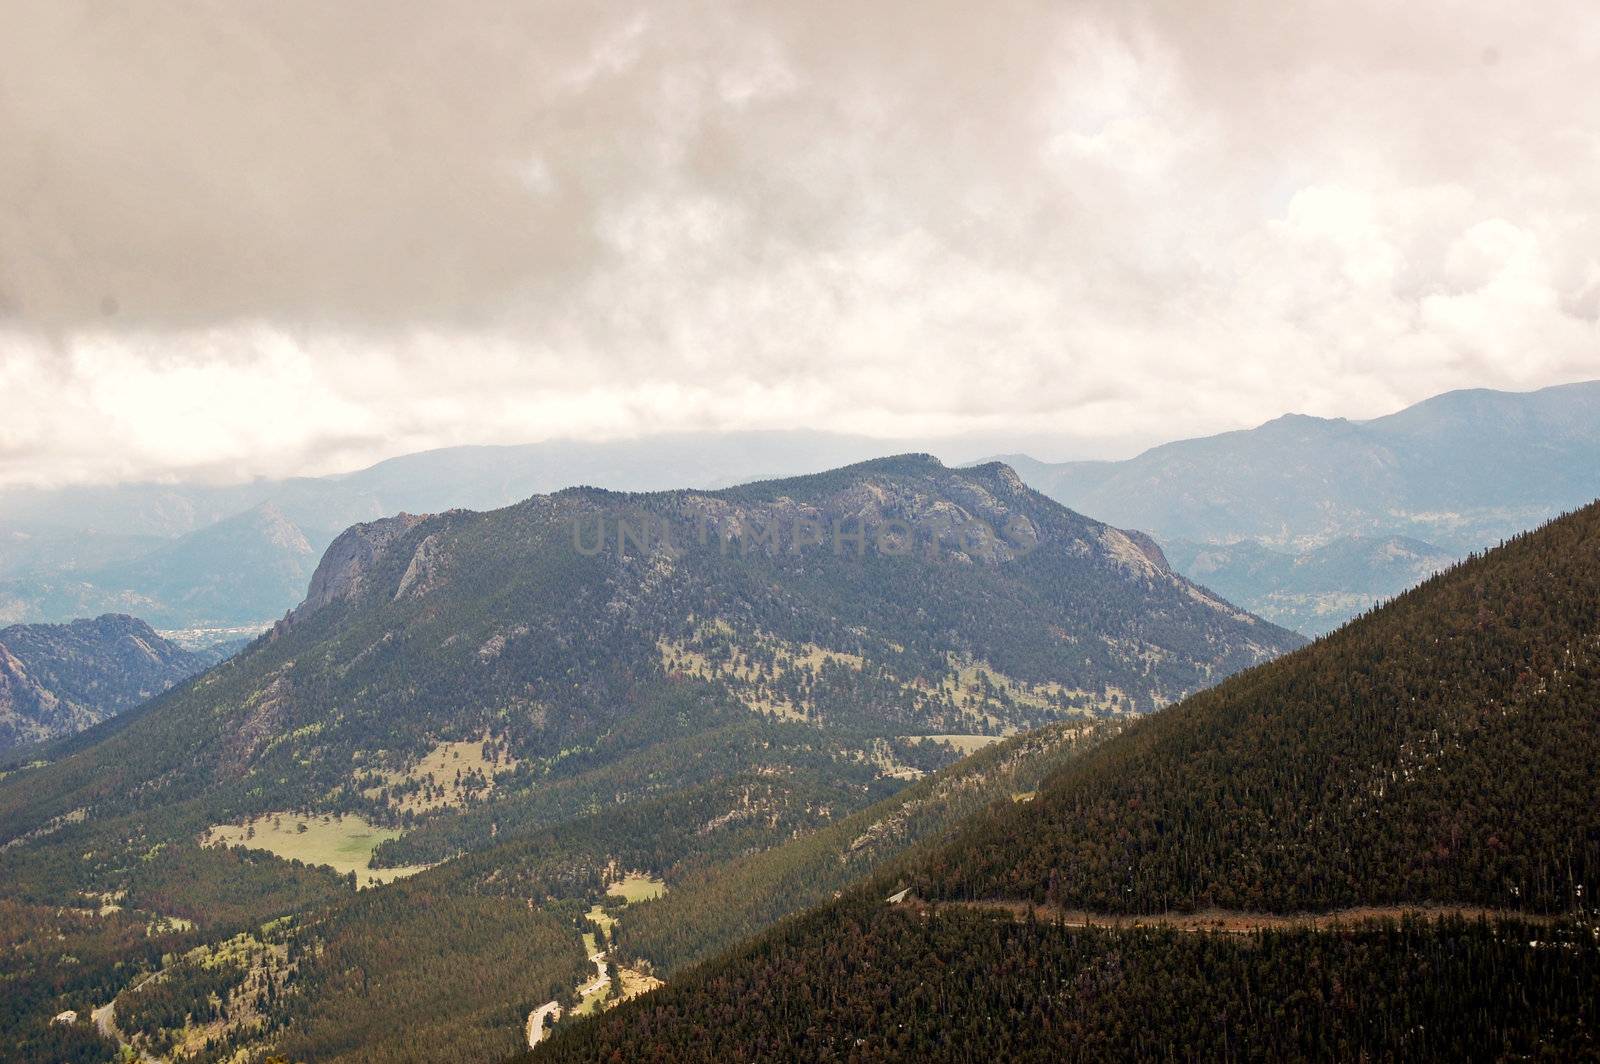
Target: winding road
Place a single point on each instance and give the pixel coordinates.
(105, 1018)
(552, 1009)
(536, 1026)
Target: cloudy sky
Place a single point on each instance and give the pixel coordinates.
(263, 238)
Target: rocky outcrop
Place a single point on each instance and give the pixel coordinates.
(423, 572)
(28, 712)
(349, 561)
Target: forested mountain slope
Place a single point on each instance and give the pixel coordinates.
(1442, 751)
(540, 698)
(713, 907)
(1444, 748)
(863, 981)
(466, 925)
(56, 679)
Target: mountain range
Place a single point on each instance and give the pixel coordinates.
(215, 557)
(464, 768)
(1308, 521)
(1305, 521)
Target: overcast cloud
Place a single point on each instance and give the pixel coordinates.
(265, 238)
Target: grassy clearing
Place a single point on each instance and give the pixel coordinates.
(881, 755)
(632, 887)
(973, 686)
(749, 681)
(262, 963)
(637, 887)
(343, 843)
(635, 982)
(164, 925)
(602, 919)
(964, 744)
(592, 1002)
(978, 683)
(743, 679)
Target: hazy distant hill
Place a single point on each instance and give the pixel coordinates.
(56, 679)
(1316, 590)
(1441, 751)
(238, 571)
(1456, 473)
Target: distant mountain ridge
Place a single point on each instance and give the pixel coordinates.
(222, 575)
(1456, 470)
(1455, 473)
(56, 679)
(1315, 590)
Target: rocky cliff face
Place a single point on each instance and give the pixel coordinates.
(56, 679)
(345, 567)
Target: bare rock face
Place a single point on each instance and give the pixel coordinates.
(1133, 551)
(423, 572)
(262, 720)
(349, 560)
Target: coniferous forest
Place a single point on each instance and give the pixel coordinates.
(1443, 749)
(867, 982)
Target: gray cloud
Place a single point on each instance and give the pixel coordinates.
(392, 226)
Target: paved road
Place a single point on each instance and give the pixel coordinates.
(536, 1027)
(105, 1018)
(552, 1009)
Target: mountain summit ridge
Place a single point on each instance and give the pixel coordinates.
(505, 616)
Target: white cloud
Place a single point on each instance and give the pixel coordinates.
(297, 246)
